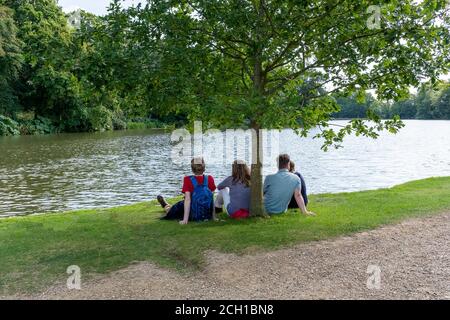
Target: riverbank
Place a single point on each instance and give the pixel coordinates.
(37, 250)
(30, 126)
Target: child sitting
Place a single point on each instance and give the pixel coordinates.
(234, 195)
(293, 204)
(198, 203)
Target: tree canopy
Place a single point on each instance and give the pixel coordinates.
(58, 77)
(274, 64)
(10, 60)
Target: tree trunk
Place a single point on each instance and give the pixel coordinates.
(256, 197)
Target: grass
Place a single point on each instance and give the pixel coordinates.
(147, 124)
(36, 250)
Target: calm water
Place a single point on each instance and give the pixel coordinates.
(72, 171)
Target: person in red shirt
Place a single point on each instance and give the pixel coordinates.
(181, 210)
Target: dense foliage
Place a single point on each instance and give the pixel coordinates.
(57, 76)
(10, 61)
(429, 103)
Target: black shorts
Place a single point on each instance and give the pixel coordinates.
(176, 212)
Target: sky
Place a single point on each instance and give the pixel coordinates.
(94, 6)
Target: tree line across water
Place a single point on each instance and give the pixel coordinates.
(427, 104)
(81, 72)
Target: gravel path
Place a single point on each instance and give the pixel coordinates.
(413, 256)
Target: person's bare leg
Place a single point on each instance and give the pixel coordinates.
(218, 204)
(222, 201)
(164, 204)
(226, 197)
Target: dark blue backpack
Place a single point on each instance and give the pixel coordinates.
(202, 203)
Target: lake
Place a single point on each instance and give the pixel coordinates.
(63, 172)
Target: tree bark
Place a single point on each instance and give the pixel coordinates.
(256, 196)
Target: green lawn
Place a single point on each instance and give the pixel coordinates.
(35, 251)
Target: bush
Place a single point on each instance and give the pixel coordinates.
(142, 124)
(77, 120)
(8, 127)
(154, 124)
(136, 125)
(40, 125)
(25, 116)
(100, 118)
(118, 120)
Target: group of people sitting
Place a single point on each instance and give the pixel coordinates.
(283, 190)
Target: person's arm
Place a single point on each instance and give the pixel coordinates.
(304, 193)
(224, 184)
(211, 184)
(187, 208)
(266, 185)
(301, 203)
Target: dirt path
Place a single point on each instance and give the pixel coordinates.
(414, 258)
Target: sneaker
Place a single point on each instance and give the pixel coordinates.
(162, 201)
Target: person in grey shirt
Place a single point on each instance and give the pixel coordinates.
(234, 192)
(279, 188)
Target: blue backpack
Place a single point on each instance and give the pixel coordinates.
(202, 203)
